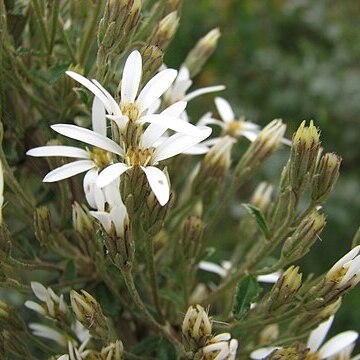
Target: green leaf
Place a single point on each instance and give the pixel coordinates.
(56, 72)
(259, 217)
(172, 296)
(165, 351)
(247, 291)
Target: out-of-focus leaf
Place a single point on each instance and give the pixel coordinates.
(259, 217)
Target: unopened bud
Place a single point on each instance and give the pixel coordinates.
(88, 311)
(262, 196)
(326, 176)
(221, 347)
(266, 143)
(303, 158)
(10, 319)
(269, 334)
(172, 5)
(13, 344)
(285, 289)
(201, 52)
(152, 60)
(165, 31)
(196, 327)
(42, 225)
(113, 351)
(82, 222)
(191, 236)
(305, 235)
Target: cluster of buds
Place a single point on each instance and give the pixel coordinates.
(11, 343)
(191, 237)
(113, 351)
(220, 347)
(10, 319)
(88, 311)
(53, 305)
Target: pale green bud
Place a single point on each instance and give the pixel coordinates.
(12, 343)
(191, 236)
(261, 197)
(201, 52)
(88, 311)
(269, 334)
(42, 225)
(152, 60)
(10, 319)
(113, 351)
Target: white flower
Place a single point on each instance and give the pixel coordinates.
(150, 152)
(338, 347)
(100, 156)
(220, 347)
(177, 91)
(48, 332)
(133, 107)
(54, 305)
(76, 353)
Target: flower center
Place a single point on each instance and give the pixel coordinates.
(130, 110)
(312, 356)
(138, 157)
(101, 157)
(234, 127)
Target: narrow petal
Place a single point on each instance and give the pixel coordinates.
(115, 109)
(69, 170)
(178, 143)
(172, 123)
(318, 335)
(112, 193)
(32, 305)
(155, 88)
(338, 343)
(198, 149)
(88, 185)
(158, 182)
(39, 290)
(131, 77)
(88, 136)
(98, 117)
(224, 109)
(262, 353)
(269, 278)
(211, 121)
(249, 134)
(59, 150)
(120, 121)
(205, 90)
(110, 173)
(90, 86)
(212, 267)
(104, 219)
(175, 109)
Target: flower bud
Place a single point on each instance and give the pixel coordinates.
(269, 334)
(196, 326)
(220, 347)
(303, 158)
(13, 344)
(42, 225)
(191, 237)
(326, 176)
(88, 311)
(82, 222)
(261, 197)
(113, 351)
(165, 31)
(10, 319)
(297, 352)
(152, 60)
(305, 235)
(201, 52)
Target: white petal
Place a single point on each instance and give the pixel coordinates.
(32, 305)
(204, 90)
(88, 136)
(178, 143)
(224, 109)
(88, 185)
(112, 193)
(222, 337)
(39, 290)
(59, 150)
(262, 353)
(69, 170)
(154, 107)
(269, 278)
(212, 267)
(115, 109)
(110, 173)
(211, 121)
(347, 257)
(184, 74)
(90, 86)
(131, 77)
(159, 183)
(48, 333)
(104, 219)
(118, 214)
(249, 134)
(98, 117)
(233, 348)
(318, 335)
(99, 198)
(119, 120)
(155, 88)
(175, 109)
(199, 149)
(172, 123)
(338, 343)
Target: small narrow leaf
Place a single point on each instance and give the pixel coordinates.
(259, 217)
(247, 291)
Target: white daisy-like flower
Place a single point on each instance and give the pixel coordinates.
(136, 107)
(76, 353)
(49, 333)
(220, 347)
(178, 90)
(53, 306)
(150, 152)
(103, 151)
(338, 347)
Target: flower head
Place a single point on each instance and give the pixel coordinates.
(220, 347)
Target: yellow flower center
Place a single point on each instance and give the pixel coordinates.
(130, 110)
(101, 157)
(138, 157)
(312, 356)
(233, 127)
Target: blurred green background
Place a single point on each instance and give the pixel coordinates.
(295, 60)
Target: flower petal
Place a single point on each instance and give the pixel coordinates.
(158, 182)
(172, 123)
(90, 86)
(88, 185)
(98, 116)
(318, 335)
(59, 150)
(178, 143)
(115, 109)
(205, 90)
(89, 137)
(224, 109)
(338, 343)
(112, 193)
(39, 290)
(69, 170)
(198, 149)
(110, 173)
(155, 88)
(212, 267)
(262, 353)
(131, 77)
(104, 218)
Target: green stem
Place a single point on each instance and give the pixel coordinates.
(41, 22)
(54, 24)
(67, 42)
